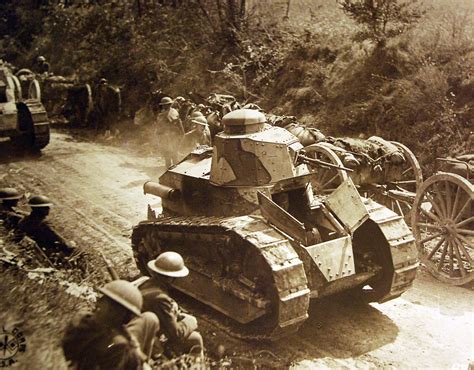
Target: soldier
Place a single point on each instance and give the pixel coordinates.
(198, 136)
(41, 66)
(188, 124)
(170, 131)
(109, 105)
(37, 227)
(116, 335)
(10, 215)
(177, 326)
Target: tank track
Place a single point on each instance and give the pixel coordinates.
(290, 301)
(39, 117)
(402, 248)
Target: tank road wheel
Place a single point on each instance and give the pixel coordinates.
(443, 225)
(145, 245)
(325, 179)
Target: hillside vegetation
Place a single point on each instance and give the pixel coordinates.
(307, 60)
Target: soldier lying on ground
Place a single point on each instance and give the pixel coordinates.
(37, 227)
(177, 326)
(9, 212)
(116, 335)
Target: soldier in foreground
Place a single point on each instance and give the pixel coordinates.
(170, 131)
(116, 335)
(10, 215)
(178, 326)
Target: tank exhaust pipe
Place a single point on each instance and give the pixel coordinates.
(162, 191)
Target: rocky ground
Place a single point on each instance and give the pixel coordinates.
(98, 197)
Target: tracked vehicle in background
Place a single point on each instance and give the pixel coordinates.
(257, 240)
(24, 120)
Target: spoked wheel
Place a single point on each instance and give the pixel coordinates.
(443, 225)
(325, 179)
(399, 195)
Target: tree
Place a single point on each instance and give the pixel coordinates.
(382, 19)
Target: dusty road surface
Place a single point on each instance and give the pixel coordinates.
(97, 192)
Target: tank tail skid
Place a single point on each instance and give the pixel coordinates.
(240, 266)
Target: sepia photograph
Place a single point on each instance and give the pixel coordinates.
(236, 184)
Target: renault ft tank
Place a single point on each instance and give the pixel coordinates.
(257, 240)
(25, 121)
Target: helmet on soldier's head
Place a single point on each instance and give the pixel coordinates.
(196, 113)
(199, 120)
(169, 264)
(179, 99)
(103, 81)
(39, 201)
(166, 100)
(201, 106)
(9, 194)
(41, 59)
(124, 293)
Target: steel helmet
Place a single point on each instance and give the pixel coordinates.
(196, 114)
(199, 120)
(9, 194)
(124, 293)
(166, 100)
(103, 81)
(169, 264)
(38, 201)
(179, 99)
(41, 59)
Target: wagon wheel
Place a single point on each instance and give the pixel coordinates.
(399, 195)
(34, 90)
(325, 179)
(443, 225)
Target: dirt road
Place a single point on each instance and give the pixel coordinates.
(98, 197)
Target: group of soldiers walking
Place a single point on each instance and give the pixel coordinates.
(134, 323)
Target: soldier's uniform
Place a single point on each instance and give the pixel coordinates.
(11, 216)
(178, 327)
(91, 345)
(107, 338)
(41, 232)
(200, 135)
(109, 102)
(170, 132)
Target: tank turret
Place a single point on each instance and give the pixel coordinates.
(250, 152)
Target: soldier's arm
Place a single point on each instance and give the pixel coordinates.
(175, 326)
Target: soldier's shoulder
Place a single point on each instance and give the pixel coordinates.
(173, 114)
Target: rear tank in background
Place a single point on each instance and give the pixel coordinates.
(24, 120)
(258, 242)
